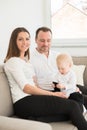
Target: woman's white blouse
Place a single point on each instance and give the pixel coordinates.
(19, 73)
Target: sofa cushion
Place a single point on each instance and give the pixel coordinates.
(6, 106)
(63, 126)
(20, 124)
(82, 60)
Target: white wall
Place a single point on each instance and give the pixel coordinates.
(30, 14)
(15, 13)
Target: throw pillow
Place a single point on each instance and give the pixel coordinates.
(79, 70)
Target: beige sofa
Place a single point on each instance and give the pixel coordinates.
(8, 121)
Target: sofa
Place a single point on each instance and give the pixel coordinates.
(8, 120)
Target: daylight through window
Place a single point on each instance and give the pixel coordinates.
(69, 19)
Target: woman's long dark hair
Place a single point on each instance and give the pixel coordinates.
(13, 50)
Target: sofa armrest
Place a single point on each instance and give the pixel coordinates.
(8, 123)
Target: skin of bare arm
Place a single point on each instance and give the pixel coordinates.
(37, 91)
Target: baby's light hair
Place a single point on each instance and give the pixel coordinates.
(64, 57)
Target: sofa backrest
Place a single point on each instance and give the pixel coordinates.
(82, 60)
(6, 106)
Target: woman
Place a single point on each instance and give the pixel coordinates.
(29, 100)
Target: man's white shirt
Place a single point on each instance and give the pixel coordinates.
(44, 67)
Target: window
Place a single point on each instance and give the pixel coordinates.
(69, 22)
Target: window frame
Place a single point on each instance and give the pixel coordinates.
(80, 42)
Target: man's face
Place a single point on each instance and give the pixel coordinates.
(43, 41)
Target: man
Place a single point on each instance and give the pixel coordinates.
(43, 60)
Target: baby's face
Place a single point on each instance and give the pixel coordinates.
(64, 68)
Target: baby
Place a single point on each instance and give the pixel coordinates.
(65, 79)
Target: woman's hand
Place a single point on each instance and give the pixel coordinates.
(60, 94)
